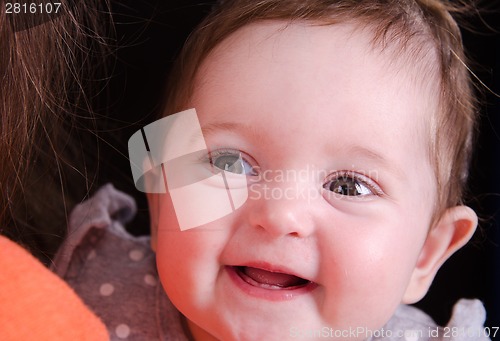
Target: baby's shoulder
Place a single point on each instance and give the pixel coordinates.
(114, 272)
(96, 231)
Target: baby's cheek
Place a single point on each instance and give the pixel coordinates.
(366, 264)
(178, 250)
(363, 295)
(188, 261)
(175, 258)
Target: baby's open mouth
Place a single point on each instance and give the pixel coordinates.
(270, 280)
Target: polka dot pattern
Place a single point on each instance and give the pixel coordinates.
(136, 255)
(106, 289)
(150, 280)
(123, 326)
(122, 331)
(115, 273)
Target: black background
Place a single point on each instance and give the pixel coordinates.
(150, 33)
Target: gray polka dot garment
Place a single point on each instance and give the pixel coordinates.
(115, 274)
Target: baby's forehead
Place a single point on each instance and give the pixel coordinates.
(413, 61)
(416, 52)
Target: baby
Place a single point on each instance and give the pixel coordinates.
(350, 124)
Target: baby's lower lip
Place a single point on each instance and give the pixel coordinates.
(284, 290)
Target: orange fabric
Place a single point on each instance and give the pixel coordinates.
(35, 304)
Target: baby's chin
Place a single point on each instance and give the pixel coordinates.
(280, 322)
(247, 329)
(283, 320)
(277, 329)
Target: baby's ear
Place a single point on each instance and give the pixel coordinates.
(452, 231)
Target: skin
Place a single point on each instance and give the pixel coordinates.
(320, 97)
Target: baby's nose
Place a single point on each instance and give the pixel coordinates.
(284, 209)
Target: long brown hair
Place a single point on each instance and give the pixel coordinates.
(46, 91)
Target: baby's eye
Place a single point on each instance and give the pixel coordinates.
(350, 185)
(231, 161)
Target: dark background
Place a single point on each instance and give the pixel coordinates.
(148, 35)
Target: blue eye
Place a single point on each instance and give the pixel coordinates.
(348, 184)
(231, 161)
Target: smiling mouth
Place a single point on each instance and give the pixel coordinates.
(270, 280)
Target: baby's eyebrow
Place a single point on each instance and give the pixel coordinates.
(212, 128)
(376, 158)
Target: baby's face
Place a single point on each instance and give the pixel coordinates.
(332, 234)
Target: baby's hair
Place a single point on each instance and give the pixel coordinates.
(45, 70)
(424, 26)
